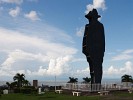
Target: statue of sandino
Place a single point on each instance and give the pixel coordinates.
(94, 45)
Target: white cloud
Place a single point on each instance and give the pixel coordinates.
(79, 73)
(32, 15)
(110, 72)
(128, 51)
(56, 67)
(20, 47)
(80, 31)
(127, 69)
(122, 57)
(125, 55)
(79, 60)
(83, 71)
(16, 55)
(12, 1)
(14, 12)
(97, 4)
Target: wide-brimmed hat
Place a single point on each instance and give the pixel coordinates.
(92, 13)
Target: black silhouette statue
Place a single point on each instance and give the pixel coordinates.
(94, 45)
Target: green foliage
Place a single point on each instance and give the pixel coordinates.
(73, 80)
(126, 78)
(28, 90)
(25, 90)
(19, 78)
(19, 81)
(31, 87)
(11, 85)
(86, 80)
(16, 90)
(25, 83)
(0, 91)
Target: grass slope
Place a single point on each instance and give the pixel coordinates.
(53, 96)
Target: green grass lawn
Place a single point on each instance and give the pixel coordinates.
(53, 96)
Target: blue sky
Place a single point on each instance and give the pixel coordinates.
(43, 38)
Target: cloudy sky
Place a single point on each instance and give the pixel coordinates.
(43, 38)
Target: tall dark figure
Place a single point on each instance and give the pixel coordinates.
(94, 45)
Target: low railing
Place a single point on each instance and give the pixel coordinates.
(82, 87)
(93, 87)
(88, 87)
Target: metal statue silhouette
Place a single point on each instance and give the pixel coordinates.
(94, 46)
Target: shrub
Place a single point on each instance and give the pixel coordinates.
(0, 91)
(28, 90)
(16, 90)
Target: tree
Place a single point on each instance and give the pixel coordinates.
(126, 78)
(26, 83)
(73, 80)
(86, 80)
(13, 84)
(9, 85)
(19, 78)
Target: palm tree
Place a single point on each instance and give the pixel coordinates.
(26, 83)
(19, 78)
(86, 80)
(13, 84)
(126, 78)
(72, 83)
(9, 85)
(73, 80)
